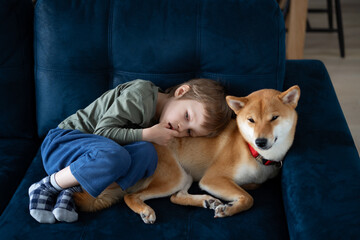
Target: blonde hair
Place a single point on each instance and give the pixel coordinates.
(212, 95)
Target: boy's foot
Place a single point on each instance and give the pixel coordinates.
(42, 199)
(65, 209)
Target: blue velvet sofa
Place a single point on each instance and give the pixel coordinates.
(59, 55)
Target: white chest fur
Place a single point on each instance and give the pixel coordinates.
(258, 174)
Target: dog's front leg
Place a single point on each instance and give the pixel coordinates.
(156, 189)
(184, 198)
(250, 186)
(168, 178)
(226, 189)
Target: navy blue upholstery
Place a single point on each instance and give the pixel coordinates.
(15, 156)
(17, 103)
(173, 221)
(16, 69)
(320, 177)
(101, 44)
(82, 48)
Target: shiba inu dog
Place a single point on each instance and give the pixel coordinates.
(247, 152)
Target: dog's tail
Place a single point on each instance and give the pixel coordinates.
(86, 203)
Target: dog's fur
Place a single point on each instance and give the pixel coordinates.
(223, 165)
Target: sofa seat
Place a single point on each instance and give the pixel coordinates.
(266, 218)
(15, 157)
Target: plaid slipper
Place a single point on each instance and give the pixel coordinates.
(42, 199)
(65, 209)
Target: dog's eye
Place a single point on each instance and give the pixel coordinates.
(274, 118)
(251, 120)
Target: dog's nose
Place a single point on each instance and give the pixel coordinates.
(261, 142)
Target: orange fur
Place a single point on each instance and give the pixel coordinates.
(223, 165)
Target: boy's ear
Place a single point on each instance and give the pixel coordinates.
(291, 96)
(236, 103)
(180, 91)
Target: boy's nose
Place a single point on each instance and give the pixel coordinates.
(179, 127)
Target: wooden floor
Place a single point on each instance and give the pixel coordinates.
(344, 72)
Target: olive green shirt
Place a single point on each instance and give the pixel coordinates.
(119, 114)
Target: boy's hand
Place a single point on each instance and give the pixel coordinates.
(160, 134)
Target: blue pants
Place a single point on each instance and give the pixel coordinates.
(97, 161)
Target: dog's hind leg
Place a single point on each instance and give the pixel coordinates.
(85, 202)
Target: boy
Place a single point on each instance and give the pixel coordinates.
(110, 141)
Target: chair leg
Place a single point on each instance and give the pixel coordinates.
(330, 14)
(340, 29)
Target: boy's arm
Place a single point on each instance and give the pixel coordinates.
(109, 127)
(131, 110)
(120, 135)
(122, 120)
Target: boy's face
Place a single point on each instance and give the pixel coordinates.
(185, 116)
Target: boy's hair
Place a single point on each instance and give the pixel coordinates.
(212, 95)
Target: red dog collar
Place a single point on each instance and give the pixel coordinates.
(262, 160)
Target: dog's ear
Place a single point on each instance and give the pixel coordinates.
(291, 96)
(236, 103)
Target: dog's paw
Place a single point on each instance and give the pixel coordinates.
(212, 203)
(222, 210)
(148, 216)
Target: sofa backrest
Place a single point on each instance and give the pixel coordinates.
(83, 48)
(17, 103)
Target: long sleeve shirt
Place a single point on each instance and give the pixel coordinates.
(119, 114)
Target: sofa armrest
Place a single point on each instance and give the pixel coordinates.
(321, 173)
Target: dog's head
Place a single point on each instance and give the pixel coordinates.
(267, 118)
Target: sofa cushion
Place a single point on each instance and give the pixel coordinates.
(17, 103)
(84, 48)
(265, 218)
(15, 157)
(320, 177)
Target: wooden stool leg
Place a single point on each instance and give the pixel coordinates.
(330, 14)
(295, 39)
(340, 29)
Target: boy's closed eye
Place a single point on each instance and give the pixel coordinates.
(187, 117)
